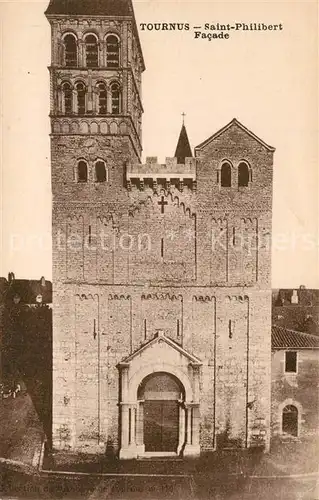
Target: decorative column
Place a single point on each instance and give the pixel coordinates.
(192, 447)
(81, 55)
(128, 446)
(101, 53)
(181, 423)
(89, 103)
(140, 447)
(74, 101)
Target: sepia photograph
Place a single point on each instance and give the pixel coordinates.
(159, 266)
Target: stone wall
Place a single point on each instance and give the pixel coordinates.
(108, 324)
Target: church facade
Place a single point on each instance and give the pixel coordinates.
(161, 272)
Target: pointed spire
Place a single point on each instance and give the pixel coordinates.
(183, 149)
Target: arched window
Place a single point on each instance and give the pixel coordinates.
(115, 91)
(82, 171)
(225, 175)
(91, 51)
(290, 420)
(67, 98)
(112, 51)
(70, 50)
(80, 94)
(243, 175)
(102, 106)
(100, 171)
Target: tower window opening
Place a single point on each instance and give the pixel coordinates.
(115, 91)
(225, 175)
(112, 51)
(70, 51)
(67, 98)
(162, 247)
(100, 171)
(82, 171)
(91, 51)
(90, 242)
(230, 328)
(81, 92)
(243, 175)
(102, 96)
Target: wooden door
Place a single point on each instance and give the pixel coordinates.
(161, 425)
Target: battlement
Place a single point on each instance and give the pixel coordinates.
(169, 170)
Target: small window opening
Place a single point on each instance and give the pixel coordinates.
(162, 247)
(225, 175)
(145, 329)
(100, 171)
(243, 175)
(290, 420)
(230, 328)
(291, 361)
(82, 171)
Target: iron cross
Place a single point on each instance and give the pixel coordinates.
(162, 203)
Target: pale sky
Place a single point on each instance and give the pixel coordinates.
(268, 80)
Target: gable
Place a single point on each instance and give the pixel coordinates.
(161, 347)
(233, 126)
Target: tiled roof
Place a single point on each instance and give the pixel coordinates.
(282, 338)
(90, 7)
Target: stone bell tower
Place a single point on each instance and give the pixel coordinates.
(96, 115)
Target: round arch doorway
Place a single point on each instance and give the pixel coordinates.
(161, 395)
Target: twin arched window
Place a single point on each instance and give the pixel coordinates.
(244, 174)
(91, 43)
(100, 173)
(81, 101)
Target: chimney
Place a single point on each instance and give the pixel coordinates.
(294, 297)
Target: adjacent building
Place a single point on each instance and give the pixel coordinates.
(294, 388)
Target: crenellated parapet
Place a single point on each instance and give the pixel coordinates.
(170, 173)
